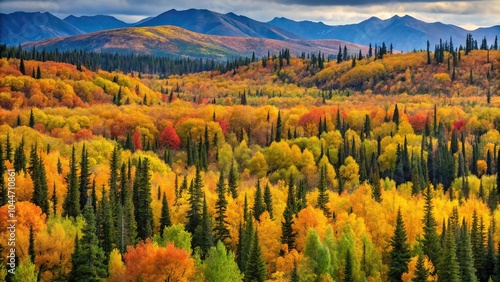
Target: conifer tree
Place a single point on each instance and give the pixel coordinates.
(84, 179)
(279, 127)
(143, 211)
(465, 256)
(32, 119)
(287, 233)
(165, 220)
(259, 205)
(255, 269)
(348, 271)
(194, 212)
(450, 269)
(232, 182)
(221, 230)
(323, 194)
(203, 237)
(431, 245)
(477, 243)
(400, 252)
(105, 224)
(490, 259)
(127, 226)
(22, 68)
(421, 272)
(39, 178)
(395, 115)
(268, 200)
(71, 205)
(8, 148)
(54, 201)
(88, 259)
(38, 72)
(19, 157)
(31, 246)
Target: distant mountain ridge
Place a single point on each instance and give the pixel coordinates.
(209, 22)
(405, 33)
(95, 23)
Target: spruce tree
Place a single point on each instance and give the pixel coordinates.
(221, 230)
(54, 201)
(39, 178)
(193, 214)
(232, 181)
(71, 205)
(287, 233)
(203, 237)
(255, 269)
(32, 119)
(88, 259)
(431, 245)
(84, 180)
(348, 271)
(279, 128)
(259, 205)
(268, 200)
(22, 68)
(143, 210)
(8, 148)
(421, 272)
(477, 243)
(165, 220)
(465, 256)
(450, 269)
(490, 259)
(323, 194)
(400, 252)
(105, 224)
(31, 246)
(395, 116)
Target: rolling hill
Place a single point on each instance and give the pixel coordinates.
(176, 41)
(209, 22)
(405, 33)
(95, 23)
(22, 27)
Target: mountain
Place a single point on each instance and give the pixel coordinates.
(176, 41)
(405, 33)
(95, 23)
(22, 27)
(208, 22)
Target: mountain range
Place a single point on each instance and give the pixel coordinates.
(405, 33)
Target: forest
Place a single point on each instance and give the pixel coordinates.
(290, 167)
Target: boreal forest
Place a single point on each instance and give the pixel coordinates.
(372, 165)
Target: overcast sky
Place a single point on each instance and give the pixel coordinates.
(468, 14)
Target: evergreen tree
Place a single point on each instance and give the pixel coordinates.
(84, 180)
(431, 245)
(268, 200)
(71, 205)
(421, 272)
(39, 178)
(203, 237)
(395, 115)
(8, 148)
(232, 181)
(259, 205)
(54, 201)
(465, 256)
(31, 246)
(221, 230)
(38, 72)
(165, 215)
(477, 243)
(19, 157)
(126, 224)
(194, 212)
(490, 259)
(323, 194)
(88, 259)
(400, 252)
(255, 269)
(287, 233)
(22, 69)
(348, 272)
(450, 269)
(142, 208)
(32, 119)
(279, 128)
(104, 224)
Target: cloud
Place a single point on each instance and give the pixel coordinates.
(334, 12)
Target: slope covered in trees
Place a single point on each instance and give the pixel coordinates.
(251, 175)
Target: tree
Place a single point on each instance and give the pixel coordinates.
(39, 178)
(431, 246)
(317, 254)
(105, 224)
(421, 272)
(348, 272)
(142, 208)
(71, 205)
(268, 200)
(193, 214)
(84, 179)
(169, 138)
(287, 233)
(203, 236)
(400, 252)
(38, 72)
(259, 205)
(165, 215)
(450, 270)
(219, 266)
(279, 128)
(232, 182)
(221, 231)
(32, 119)
(255, 269)
(323, 194)
(465, 256)
(88, 259)
(22, 68)
(31, 247)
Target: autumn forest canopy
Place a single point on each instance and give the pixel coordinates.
(381, 166)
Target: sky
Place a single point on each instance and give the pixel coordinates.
(467, 14)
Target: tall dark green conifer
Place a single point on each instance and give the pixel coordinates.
(268, 200)
(143, 210)
(279, 128)
(431, 245)
(255, 269)
(105, 224)
(232, 181)
(348, 271)
(84, 180)
(71, 205)
(259, 205)
(465, 256)
(221, 231)
(450, 269)
(421, 272)
(88, 259)
(194, 212)
(400, 252)
(203, 236)
(165, 220)
(323, 193)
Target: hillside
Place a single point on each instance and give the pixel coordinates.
(175, 41)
